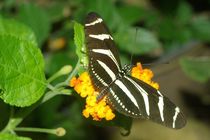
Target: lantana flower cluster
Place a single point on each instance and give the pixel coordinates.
(101, 110)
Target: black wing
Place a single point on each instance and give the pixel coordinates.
(128, 95)
(137, 99)
(104, 63)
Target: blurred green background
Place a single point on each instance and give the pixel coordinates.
(170, 37)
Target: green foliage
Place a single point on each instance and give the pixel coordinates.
(173, 29)
(136, 29)
(125, 11)
(79, 40)
(136, 41)
(21, 66)
(102, 7)
(55, 11)
(184, 13)
(201, 27)
(14, 28)
(6, 136)
(37, 19)
(196, 68)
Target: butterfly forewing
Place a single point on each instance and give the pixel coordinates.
(104, 63)
(126, 94)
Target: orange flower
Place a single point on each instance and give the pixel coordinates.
(144, 75)
(57, 43)
(99, 110)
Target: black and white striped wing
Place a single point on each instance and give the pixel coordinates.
(137, 99)
(104, 63)
(126, 94)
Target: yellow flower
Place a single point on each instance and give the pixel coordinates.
(57, 44)
(98, 110)
(101, 110)
(144, 74)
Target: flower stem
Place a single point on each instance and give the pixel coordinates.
(58, 131)
(63, 71)
(74, 72)
(17, 118)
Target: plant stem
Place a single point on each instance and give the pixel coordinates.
(13, 122)
(50, 87)
(60, 131)
(21, 114)
(74, 72)
(51, 94)
(40, 130)
(63, 71)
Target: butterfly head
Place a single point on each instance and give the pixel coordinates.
(126, 68)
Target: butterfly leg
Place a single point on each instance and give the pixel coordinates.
(102, 93)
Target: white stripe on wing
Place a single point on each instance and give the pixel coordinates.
(143, 93)
(161, 107)
(98, 20)
(177, 110)
(101, 36)
(127, 92)
(107, 69)
(109, 54)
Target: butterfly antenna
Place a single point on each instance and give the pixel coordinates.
(131, 59)
(155, 63)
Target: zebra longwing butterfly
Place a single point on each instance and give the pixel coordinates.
(126, 94)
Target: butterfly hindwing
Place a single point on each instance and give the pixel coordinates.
(137, 99)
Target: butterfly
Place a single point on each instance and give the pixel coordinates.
(126, 94)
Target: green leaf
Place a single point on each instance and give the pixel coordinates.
(166, 29)
(6, 136)
(183, 35)
(79, 37)
(21, 65)
(196, 68)
(100, 6)
(184, 13)
(14, 28)
(201, 27)
(167, 33)
(127, 10)
(55, 10)
(37, 19)
(79, 40)
(151, 18)
(136, 41)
